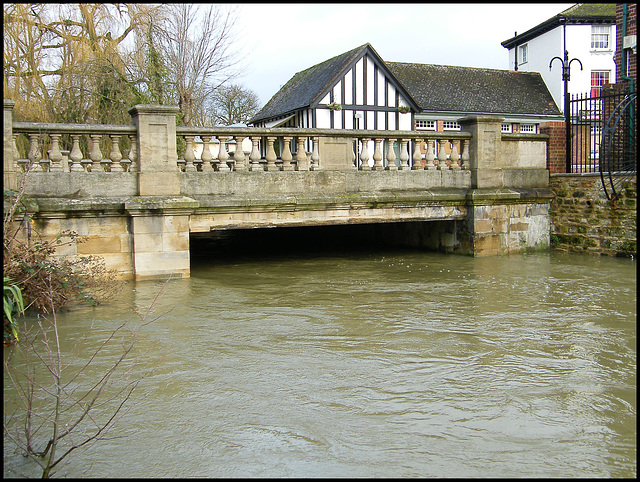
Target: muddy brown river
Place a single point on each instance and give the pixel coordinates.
(392, 364)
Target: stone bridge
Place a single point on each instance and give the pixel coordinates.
(135, 193)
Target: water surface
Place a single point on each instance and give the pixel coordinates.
(397, 364)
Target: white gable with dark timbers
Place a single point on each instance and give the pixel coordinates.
(354, 90)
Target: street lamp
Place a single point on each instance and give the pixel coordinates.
(566, 66)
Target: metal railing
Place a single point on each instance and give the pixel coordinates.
(589, 114)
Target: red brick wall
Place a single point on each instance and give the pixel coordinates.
(555, 146)
(631, 30)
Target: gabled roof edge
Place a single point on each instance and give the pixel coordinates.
(554, 22)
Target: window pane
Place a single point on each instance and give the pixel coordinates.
(600, 37)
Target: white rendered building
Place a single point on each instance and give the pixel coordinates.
(587, 31)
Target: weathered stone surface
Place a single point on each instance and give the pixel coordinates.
(593, 224)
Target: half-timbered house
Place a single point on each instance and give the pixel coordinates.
(359, 90)
(354, 90)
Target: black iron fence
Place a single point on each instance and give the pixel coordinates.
(590, 114)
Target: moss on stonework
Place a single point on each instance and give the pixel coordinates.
(628, 248)
(589, 243)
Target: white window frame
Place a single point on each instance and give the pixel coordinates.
(428, 125)
(600, 37)
(528, 128)
(450, 126)
(523, 53)
(506, 128)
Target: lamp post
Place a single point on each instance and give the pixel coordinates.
(566, 66)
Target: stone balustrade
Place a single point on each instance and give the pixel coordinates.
(157, 151)
(51, 147)
(112, 148)
(293, 149)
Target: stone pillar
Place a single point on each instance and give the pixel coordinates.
(508, 204)
(159, 215)
(9, 177)
(157, 155)
(485, 156)
(160, 232)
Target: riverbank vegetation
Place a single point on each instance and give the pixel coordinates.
(36, 278)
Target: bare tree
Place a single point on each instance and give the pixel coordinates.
(198, 51)
(63, 61)
(233, 104)
(58, 405)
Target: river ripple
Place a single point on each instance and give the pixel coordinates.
(382, 365)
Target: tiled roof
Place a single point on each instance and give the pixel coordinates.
(438, 88)
(465, 89)
(591, 10)
(305, 86)
(580, 13)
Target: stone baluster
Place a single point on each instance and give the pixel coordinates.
(270, 156)
(21, 164)
(430, 156)
(75, 156)
(255, 155)
(417, 155)
(442, 156)
(55, 155)
(238, 155)
(377, 155)
(391, 157)
(223, 155)
(189, 155)
(404, 154)
(115, 155)
(286, 154)
(207, 157)
(133, 154)
(125, 162)
(454, 155)
(354, 148)
(364, 155)
(95, 155)
(33, 155)
(197, 161)
(301, 156)
(315, 156)
(465, 154)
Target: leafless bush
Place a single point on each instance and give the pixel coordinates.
(58, 404)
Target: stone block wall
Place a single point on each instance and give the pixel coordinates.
(108, 237)
(509, 228)
(584, 220)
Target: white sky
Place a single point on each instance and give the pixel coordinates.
(279, 40)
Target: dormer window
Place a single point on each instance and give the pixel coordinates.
(600, 36)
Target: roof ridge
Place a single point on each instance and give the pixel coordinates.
(333, 58)
(459, 67)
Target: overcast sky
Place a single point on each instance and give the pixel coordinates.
(280, 40)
